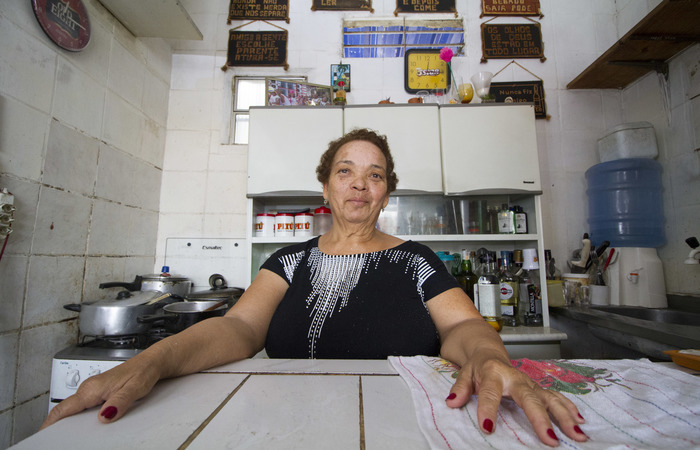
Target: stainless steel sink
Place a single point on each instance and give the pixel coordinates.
(659, 315)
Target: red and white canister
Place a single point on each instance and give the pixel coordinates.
(264, 225)
(284, 224)
(303, 224)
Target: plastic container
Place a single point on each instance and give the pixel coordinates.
(628, 140)
(303, 224)
(625, 204)
(322, 220)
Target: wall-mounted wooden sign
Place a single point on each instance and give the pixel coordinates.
(258, 10)
(257, 48)
(342, 5)
(521, 92)
(512, 40)
(510, 8)
(425, 6)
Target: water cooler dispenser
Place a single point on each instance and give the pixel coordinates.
(625, 207)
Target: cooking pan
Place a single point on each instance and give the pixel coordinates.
(163, 282)
(180, 315)
(118, 317)
(219, 291)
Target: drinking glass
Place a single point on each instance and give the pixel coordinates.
(482, 83)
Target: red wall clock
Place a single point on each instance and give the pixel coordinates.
(64, 21)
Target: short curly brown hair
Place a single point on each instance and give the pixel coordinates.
(323, 171)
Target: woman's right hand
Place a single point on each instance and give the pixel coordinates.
(116, 390)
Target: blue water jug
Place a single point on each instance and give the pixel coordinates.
(625, 204)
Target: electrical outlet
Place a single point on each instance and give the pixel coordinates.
(7, 210)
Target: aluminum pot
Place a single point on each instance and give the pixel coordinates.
(118, 317)
(180, 315)
(163, 282)
(219, 291)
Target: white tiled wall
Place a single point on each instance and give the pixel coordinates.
(82, 139)
(100, 184)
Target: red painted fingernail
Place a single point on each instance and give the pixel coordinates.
(578, 430)
(551, 434)
(451, 396)
(488, 425)
(109, 412)
(580, 416)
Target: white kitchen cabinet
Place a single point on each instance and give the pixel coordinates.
(413, 133)
(489, 148)
(285, 146)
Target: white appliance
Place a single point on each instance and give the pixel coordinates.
(199, 258)
(637, 278)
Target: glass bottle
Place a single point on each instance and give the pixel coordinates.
(489, 298)
(466, 277)
(520, 220)
(552, 272)
(509, 290)
(530, 291)
(506, 224)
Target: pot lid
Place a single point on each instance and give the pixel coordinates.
(127, 298)
(164, 276)
(219, 289)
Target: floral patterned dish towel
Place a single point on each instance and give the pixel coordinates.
(626, 403)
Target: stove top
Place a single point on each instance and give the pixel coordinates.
(111, 348)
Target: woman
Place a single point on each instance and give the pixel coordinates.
(354, 292)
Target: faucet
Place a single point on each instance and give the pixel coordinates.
(694, 256)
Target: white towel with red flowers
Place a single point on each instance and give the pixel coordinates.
(626, 404)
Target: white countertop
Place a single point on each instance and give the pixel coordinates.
(257, 403)
(531, 334)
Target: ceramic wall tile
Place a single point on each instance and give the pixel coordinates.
(13, 277)
(102, 269)
(29, 416)
(109, 229)
(9, 346)
(581, 110)
(38, 345)
(185, 192)
(152, 146)
(28, 67)
(222, 224)
(123, 124)
(143, 226)
(225, 192)
(187, 150)
(6, 419)
(94, 59)
(22, 139)
(126, 75)
(61, 223)
(79, 100)
(155, 99)
(189, 110)
(144, 190)
(44, 301)
(192, 72)
(206, 23)
(26, 195)
(159, 59)
(71, 160)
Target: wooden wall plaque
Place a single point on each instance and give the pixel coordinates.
(521, 92)
(258, 10)
(342, 5)
(257, 48)
(425, 6)
(511, 40)
(510, 8)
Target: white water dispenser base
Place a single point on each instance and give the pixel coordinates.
(637, 278)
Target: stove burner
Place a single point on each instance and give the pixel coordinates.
(136, 341)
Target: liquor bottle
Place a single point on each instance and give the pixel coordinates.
(520, 220)
(489, 298)
(509, 291)
(506, 222)
(552, 272)
(530, 291)
(466, 277)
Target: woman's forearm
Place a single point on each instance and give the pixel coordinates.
(473, 340)
(207, 344)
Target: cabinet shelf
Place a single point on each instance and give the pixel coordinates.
(422, 238)
(669, 28)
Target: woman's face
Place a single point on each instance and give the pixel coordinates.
(357, 188)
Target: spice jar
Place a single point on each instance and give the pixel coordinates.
(322, 220)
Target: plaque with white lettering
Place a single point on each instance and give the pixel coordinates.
(521, 92)
(512, 40)
(65, 22)
(258, 10)
(257, 48)
(342, 5)
(510, 8)
(425, 6)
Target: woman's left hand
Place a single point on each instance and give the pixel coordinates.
(493, 379)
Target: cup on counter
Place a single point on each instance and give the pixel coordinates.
(600, 295)
(576, 289)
